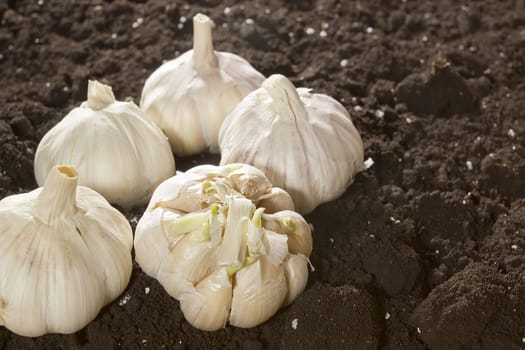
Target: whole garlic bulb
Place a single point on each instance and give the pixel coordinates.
(64, 254)
(188, 97)
(205, 229)
(305, 143)
(114, 149)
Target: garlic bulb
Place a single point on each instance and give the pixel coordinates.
(305, 143)
(188, 97)
(210, 243)
(64, 254)
(114, 149)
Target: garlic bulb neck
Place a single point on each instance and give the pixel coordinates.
(203, 54)
(58, 196)
(99, 95)
(285, 99)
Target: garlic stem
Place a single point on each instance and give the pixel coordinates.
(285, 99)
(58, 196)
(99, 95)
(203, 54)
(233, 248)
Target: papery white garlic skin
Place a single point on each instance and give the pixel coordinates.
(64, 254)
(224, 260)
(189, 97)
(304, 142)
(113, 148)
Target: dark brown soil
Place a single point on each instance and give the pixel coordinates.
(426, 248)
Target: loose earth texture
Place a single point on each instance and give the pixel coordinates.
(426, 248)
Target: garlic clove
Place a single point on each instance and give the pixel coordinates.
(260, 290)
(188, 97)
(64, 254)
(277, 200)
(208, 306)
(296, 271)
(140, 156)
(191, 260)
(294, 226)
(305, 143)
(233, 247)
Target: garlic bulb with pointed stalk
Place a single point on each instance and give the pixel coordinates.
(188, 97)
(114, 149)
(305, 143)
(209, 242)
(64, 254)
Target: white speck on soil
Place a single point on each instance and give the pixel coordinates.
(380, 114)
(295, 321)
(322, 34)
(182, 19)
(387, 316)
(309, 31)
(227, 10)
(146, 290)
(124, 300)
(325, 25)
(343, 63)
(114, 36)
(468, 163)
(358, 108)
(368, 163)
(424, 38)
(511, 133)
(369, 30)
(249, 21)
(514, 247)
(48, 84)
(418, 330)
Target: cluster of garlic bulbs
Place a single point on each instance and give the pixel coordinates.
(305, 143)
(114, 149)
(64, 254)
(226, 244)
(189, 97)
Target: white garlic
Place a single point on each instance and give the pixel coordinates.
(188, 97)
(305, 143)
(207, 240)
(114, 149)
(64, 254)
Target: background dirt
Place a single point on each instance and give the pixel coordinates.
(426, 248)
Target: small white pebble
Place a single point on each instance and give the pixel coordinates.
(186, 7)
(408, 120)
(511, 133)
(295, 321)
(180, 26)
(523, 340)
(291, 34)
(114, 36)
(487, 71)
(343, 63)
(309, 31)
(65, 88)
(418, 330)
(469, 165)
(369, 30)
(144, 341)
(437, 251)
(372, 236)
(40, 2)
(325, 25)
(368, 163)
(387, 316)
(514, 247)
(502, 54)
(267, 11)
(249, 21)
(37, 40)
(146, 290)
(464, 202)
(513, 147)
(424, 38)
(227, 10)
(124, 300)
(380, 114)
(358, 108)
(331, 240)
(48, 84)
(472, 49)
(322, 34)
(421, 61)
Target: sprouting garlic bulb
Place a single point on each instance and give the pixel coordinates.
(188, 97)
(114, 149)
(305, 143)
(226, 258)
(64, 254)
